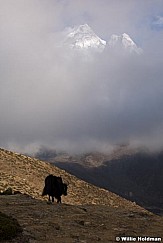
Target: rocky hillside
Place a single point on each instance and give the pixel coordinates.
(88, 214)
(27, 175)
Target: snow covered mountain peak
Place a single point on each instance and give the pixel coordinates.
(124, 41)
(81, 29)
(83, 37)
(127, 41)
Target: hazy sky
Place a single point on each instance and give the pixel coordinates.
(51, 96)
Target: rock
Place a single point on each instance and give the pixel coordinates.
(8, 191)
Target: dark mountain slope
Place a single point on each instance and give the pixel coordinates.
(135, 175)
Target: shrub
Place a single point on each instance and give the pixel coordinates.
(9, 227)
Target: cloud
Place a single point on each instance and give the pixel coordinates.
(157, 22)
(51, 96)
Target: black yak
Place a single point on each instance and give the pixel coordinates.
(54, 187)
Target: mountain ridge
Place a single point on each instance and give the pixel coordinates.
(82, 37)
(135, 174)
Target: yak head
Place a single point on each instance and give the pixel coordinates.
(64, 192)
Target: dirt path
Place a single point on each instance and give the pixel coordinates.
(65, 223)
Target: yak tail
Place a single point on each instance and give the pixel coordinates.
(44, 192)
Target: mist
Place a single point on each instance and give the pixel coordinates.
(53, 96)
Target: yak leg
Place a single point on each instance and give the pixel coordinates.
(59, 200)
(49, 198)
(52, 199)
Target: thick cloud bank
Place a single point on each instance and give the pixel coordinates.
(54, 96)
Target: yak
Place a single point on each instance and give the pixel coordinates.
(54, 187)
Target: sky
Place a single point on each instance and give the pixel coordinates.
(50, 96)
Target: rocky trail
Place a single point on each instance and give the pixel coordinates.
(64, 223)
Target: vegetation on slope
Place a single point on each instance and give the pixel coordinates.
(9, 227)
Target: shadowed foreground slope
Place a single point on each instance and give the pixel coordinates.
(66, 223)
(88, 213)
